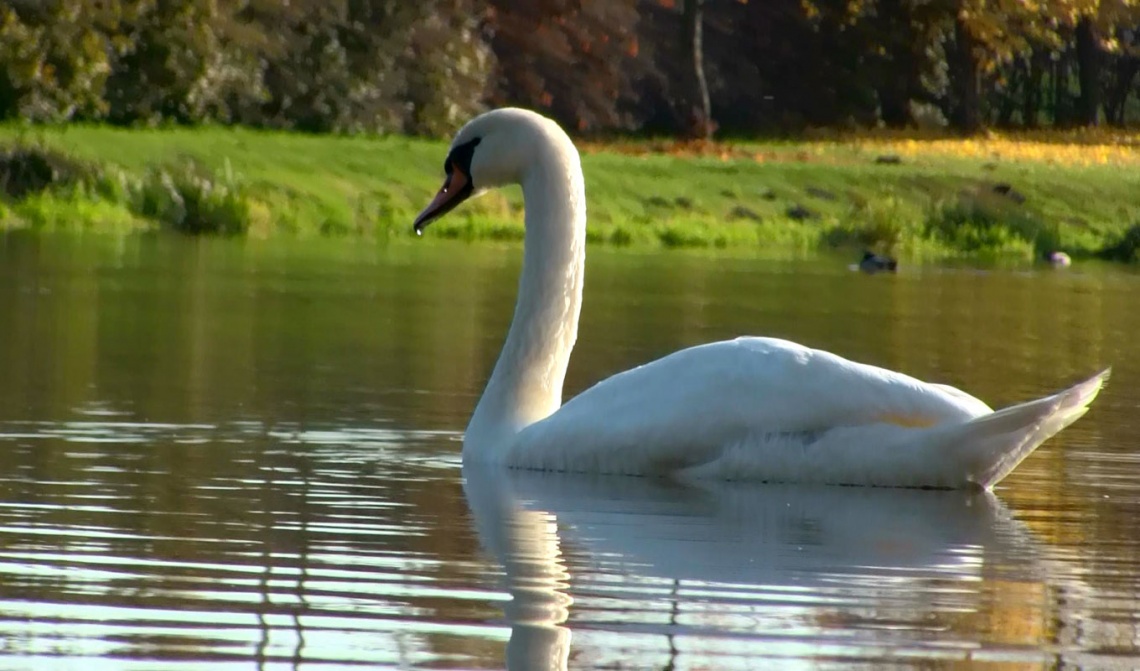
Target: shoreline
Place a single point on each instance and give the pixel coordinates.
(939, 199)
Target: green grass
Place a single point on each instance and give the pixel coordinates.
(943, 198)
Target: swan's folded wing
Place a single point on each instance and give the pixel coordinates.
(682, 410)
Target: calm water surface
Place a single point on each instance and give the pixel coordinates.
(242, 455)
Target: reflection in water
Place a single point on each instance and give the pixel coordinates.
(740, 559)
(526, 542)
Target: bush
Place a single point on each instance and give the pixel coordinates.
(189, 200)
(973, 224)
(1126, 248)
(28, 169)
(678, 235)
(885, 225)
(620, 237)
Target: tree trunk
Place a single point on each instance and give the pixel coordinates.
(700, 121)
(897, 72)
(894, 106)
(1007, 102)
(1062, 110)
(1031, 108)
(1089, 65)
(1124, 73)
(965, 74)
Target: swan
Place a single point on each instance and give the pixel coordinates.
(753, 408)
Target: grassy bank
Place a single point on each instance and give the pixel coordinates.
(916, 198)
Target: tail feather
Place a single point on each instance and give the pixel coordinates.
(993, 445)
(974, 453)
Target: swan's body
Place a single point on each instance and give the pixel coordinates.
(752, 408)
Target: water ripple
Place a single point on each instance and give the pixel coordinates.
(263, 539)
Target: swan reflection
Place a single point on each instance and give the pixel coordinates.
(733, 548)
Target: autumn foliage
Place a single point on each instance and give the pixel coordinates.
(596, 65)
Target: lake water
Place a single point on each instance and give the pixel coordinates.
(245, 455)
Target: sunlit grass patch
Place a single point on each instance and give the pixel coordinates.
(1074, 148)
(70, 210)
(1013, 149)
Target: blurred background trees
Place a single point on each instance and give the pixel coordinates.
(684, 67)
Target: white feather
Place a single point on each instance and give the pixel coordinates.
(772, 410)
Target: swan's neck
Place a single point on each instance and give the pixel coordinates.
(526, 385)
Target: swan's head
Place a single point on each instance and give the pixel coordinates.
(494, 149)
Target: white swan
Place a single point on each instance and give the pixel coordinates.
(751, 408)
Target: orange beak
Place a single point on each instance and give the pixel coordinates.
(456, 189)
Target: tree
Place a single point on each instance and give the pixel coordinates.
(181, 61)
(701, 109)
(1089, 61)
(597, 65)
(373, 65)
(448, 67)
(576, 60)
(54, 59)
(1124, 75)
(965, 72)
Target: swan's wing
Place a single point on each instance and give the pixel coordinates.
(682, 410)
